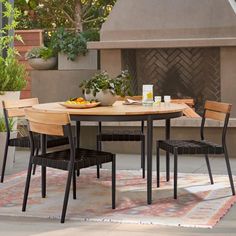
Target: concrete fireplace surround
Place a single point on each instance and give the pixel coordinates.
(136, 24)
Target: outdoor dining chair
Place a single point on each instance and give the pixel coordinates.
(213, 110)
(71, 159)
(15, 109)
(136, 135)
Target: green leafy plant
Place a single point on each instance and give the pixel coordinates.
(77, 14)
(12, 73)
(71, 43)
(121, 85)
(91, 35)
(11, 123)
(40, 52)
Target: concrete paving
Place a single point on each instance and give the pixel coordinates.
(15, 226)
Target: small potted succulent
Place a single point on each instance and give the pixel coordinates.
(41, 58)
(105, 89)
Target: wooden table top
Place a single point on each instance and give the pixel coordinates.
(118, 109)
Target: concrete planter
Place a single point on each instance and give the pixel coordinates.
(105, 97)
(41, 64)
(87, 62)
(11, 152)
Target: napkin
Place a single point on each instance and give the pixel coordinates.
(129, 101)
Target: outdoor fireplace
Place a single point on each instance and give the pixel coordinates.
(179, 72)
(185, 48)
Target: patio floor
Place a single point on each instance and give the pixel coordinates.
(23, 227)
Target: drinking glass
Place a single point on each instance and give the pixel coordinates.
(167, 100)
(157, 100)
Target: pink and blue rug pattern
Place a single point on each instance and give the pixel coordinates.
(199, 204)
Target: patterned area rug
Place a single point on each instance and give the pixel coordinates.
(199, 204)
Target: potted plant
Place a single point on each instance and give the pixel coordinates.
(3, 136)
(105, 89)
(41, 58)
(12, 73)
(71, 47)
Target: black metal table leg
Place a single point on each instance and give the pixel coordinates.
(43, 173)
(77, 134)
(167, 154)
(77, 128)
(149, 158)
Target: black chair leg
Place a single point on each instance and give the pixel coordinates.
(27, 185)
(229, 172)
(67, 192)
(167, 166)
(175, 173)
(98, 171)
(43, 181)
(209, 168)
(4, 162)
(143, 157)
(99, 148)
(114, 182)
(167, 153)
(158, 165)
(78, 173)
(34, 169)
(74, 184)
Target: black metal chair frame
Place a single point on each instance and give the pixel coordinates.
(114, 137)
(71, 166)
(26, 144)
(7, 144)
(206, 150)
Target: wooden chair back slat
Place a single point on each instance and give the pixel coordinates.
(44, 117)
(16, 112)
(50, 123)
(188, 101)
(189, 111)
(15, 108)
(214, 115)
(218, 106)
(8, 104)
(217, 110)
(46, 129)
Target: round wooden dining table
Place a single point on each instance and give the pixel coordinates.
(120, 112)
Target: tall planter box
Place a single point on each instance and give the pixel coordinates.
(87, 62)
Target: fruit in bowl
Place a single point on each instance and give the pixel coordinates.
(80, 103)
(80, 100)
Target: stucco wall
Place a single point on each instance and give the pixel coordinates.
(56, 85)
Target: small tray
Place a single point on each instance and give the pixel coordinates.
(80, 106)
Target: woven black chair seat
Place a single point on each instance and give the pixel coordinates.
(84, 158)
(52, 141)
(127, 135)
(191, 147)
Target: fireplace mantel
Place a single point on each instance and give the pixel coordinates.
(163, 43)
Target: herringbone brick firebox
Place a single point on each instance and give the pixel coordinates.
(179, 72)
